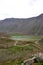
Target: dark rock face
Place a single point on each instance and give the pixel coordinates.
(30, 26)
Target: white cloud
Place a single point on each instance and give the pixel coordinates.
(20, 8)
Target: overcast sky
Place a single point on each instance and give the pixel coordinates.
(20, 8)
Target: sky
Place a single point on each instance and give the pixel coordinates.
(20, 8)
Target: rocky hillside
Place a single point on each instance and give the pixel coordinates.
(30, 26)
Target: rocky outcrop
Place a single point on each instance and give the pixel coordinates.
(37, 58)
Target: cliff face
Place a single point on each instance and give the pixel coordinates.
(30, 26)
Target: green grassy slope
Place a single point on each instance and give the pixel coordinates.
(14, 55)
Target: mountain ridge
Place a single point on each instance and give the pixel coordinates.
(29, 26)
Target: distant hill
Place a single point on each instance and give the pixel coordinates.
(30, 26)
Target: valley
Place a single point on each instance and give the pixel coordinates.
(21, 40)
(15, 49)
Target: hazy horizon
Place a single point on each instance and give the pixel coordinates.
(20, 8)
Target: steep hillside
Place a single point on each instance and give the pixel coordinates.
(30, 26)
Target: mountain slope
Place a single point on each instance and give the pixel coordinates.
(30, 26)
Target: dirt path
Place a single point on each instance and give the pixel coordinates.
(15, 43)
(37, 45)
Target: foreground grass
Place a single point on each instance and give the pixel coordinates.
(21, 48)
(39, 63)
(13, 62)
(15, 55)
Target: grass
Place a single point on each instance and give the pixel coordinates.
(13, 62)
(5, 40)
(20, 52)
(21, 48)
(39, 63)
